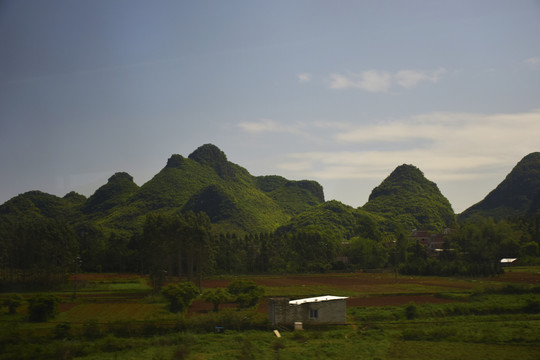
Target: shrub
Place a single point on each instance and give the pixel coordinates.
(63, 331)
(245, 292)
(532, 306)
(180, 296)
(91, 330)
(411, 311)
(42, 307)
(181, 352)
(13, 302)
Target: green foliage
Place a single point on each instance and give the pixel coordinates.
(38, 252)
(514, 196)
(63, 331)
(119, 188)
(245, 292)
(411, 312)
(408, 200)
(42, 307)
(366, 253)
(180, 296)
(216, 297)
(91, 330)
(13, 302)
(257, 224)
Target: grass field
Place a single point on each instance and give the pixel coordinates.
(114, 316)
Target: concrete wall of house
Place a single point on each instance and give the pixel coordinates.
(327, 312)
(278, 311)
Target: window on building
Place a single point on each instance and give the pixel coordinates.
(313, 313)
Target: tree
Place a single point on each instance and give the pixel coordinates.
(367, 253)
(13, 302)
(180, 296)
(216, 297)
(42, 307)
(245, 292)
(41, 251)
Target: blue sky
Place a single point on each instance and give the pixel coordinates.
(341, 92)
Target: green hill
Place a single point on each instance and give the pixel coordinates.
(409, 200)
(205, 181)
(39, 205)
(233, 199)
(119, 188)
(517, 195)
(336, 221)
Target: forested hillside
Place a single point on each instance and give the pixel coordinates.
(517, 195)
(203, 214)
(411, 201)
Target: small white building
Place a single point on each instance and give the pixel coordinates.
(326, 309)
(508, 261)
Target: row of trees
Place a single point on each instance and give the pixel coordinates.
(38, 252)
(183, 245)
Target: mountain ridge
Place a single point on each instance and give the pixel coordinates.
(237, 201)
(517, 195)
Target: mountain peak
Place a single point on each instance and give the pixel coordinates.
(411, 200)
(404, 177)
(175, 161)
(120, 176)
(210, 155)
(515, 195)
(117, 190)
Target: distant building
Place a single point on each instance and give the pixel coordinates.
(317, 310)
(432, 242)
(508, 261)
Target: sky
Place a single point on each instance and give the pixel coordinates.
(341, 92)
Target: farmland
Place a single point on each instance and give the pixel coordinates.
(115, 316)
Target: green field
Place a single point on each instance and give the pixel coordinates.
(116, 317)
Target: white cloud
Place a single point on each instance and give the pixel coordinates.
(372, 81)
(446, 146)
(411, 78)
(382, 81)
(304, 78)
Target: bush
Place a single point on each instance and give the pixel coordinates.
(63, 331)
(411, 311)
(42, 307)
(532, 306)
(216, 297)
(13, 302)
(245, 292)
(180, 296)
(91, 330)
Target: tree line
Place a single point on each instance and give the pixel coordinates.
(182, 245)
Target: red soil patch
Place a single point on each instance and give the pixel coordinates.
(519, 277)
(104, 277)
(62, 307)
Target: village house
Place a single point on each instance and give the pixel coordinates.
(432, 242)
(326, 309)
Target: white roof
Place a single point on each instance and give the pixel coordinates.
(316, 299)
(508, 260)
